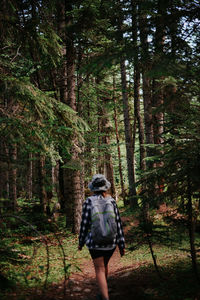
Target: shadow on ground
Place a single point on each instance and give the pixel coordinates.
(177, 283)
(145, 284)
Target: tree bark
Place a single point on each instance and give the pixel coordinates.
(173, 27)
(62, 82)
(128, 137)
(104, 164)
(7, 171)
(41, 183)
(37, 76)
(55, 179)
(61, 185)
(2, 177)
(13, 177)
(191, 227)
(73, 191)
(146, 81)
(88, 153)
(157, 88)
(3, 171)
(100, 162)
(127, 125)
(118, 145)
(108, 165)
(135, 26)
(30, 177)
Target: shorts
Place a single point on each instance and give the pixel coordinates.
(101, 253)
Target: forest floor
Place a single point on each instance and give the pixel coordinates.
(124, 282)
(134, 279)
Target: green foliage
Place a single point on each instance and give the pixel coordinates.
(30, 116)
(30, 258)
(41, 123)
(180, 154)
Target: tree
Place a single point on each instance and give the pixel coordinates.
(42, 125)
(144, 31)
(135, 29)
(127, 125)
(118, 142)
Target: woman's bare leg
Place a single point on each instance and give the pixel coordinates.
(101, 275)
(106, 260)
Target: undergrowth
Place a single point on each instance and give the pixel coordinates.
(31, 258)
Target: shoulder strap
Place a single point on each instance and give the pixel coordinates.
(99, 197)
(109, 198)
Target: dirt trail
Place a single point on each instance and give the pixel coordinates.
(83, 285)
(136, 281)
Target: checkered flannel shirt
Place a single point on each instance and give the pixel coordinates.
(85, 236)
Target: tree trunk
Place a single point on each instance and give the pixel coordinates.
(78, 196)
(100, 157)
(118, 145)
(157, 89)
(73, 190)
(159, 115)
(2, 177)
(104, 165)
(80, 110)
(108, 165)
(146, 82)
(88, 153)
(173, 27)
(100, 162)
(55, 179)
(13, 177)
(139, 119)
(158, 99)
(3, 171)
(7, 171)
(130, 156)
(62, 83)
(137, 85)
(146, 65)
(37, 77)
(128, 137)
(191, 226)
(41, 183)
(30, 177)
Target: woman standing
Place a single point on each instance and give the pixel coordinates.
(100, 253)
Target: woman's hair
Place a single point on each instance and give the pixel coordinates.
(99, 192)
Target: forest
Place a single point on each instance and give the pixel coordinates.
(99, 87)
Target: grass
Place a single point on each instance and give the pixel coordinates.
(31, 262)
(39, 259)
(177, 280)
(144, 283)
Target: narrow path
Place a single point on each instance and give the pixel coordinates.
(83, 285)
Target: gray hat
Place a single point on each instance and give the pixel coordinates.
(99, 183)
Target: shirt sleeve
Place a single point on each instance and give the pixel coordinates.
(120, 233)
(85, 222)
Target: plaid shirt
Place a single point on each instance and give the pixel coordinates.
(85, 236)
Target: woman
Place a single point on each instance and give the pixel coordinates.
(100, 254)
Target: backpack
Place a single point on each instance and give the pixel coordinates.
(103, 220)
